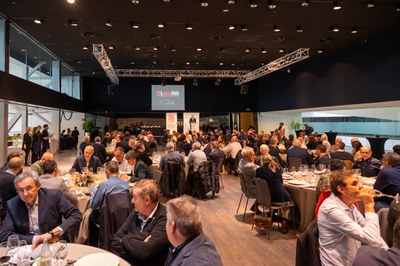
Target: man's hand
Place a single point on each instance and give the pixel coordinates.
(40, 239)
(367, 198)
(147, 239)
(124, 176)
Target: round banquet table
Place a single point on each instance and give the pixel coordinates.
(77, 251)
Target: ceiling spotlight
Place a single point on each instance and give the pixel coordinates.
(305, 3)
(195, 82)
(135, 25)
(336, 5)
(136, 2)
(172, 63)
(132, 63)
(39, 21)
(252, 4)
(161, 25)
(299, 29)
(225, 10)
(334, 29)
(197, 63)
(271, 4)
(320, 51)
(221, 63)
(188, 26)
(276, 28)
(187, 63)
(155, 62)
(263, 51)
(281, 50)
(244, 28)
(167, 1)
(203, 3)
(231, 2)
(199, 49)
(232, 27)
(86, 47)
(288, 70)
(353, 30)
(137, 48)
(108, 24)
(217, 82)
(173, 49)
(156, 48)
(71, 1)
(370, 4)
(111, 47)
(398, 8)
(73, 23)
(248, 50)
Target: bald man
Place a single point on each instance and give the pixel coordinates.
(38, 165)
(87, 160)
(369, 166)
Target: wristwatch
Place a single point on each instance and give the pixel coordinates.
(51, 233)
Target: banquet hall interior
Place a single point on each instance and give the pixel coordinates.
(239, 65)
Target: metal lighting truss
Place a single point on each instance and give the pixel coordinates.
(284, 61)
(101, 55)
(160, 73)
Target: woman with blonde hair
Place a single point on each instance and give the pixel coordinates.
(272, 172)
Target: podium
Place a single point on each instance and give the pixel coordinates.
(377, 146)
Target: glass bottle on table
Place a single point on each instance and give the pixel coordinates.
(45, 254)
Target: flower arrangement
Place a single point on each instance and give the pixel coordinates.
(83, 179)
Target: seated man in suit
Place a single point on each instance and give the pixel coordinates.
(322, 156)
(248, 169)
(38, 165)
(38, 213)
(139, 168)
(216, 153)
(368, 165)
(340, 153)
(171, 156)
(50, 180)
(100, 150)
(297, 151)
(142, 239)
(184, 230)
(87, 160)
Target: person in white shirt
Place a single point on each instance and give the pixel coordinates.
(231, 150)
(196, 156)
(342, 228)
(119, 157)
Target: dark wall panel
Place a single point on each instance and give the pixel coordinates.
(19, 90)
(367, 73)
(134, 95)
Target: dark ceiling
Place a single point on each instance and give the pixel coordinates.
(177, 47)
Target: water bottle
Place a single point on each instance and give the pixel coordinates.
(45, 254)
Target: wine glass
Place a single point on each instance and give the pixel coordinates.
(12, 242)
(22, 251)
(285, 171)
(91, 170)
(293, 169)
(62, 251)
(322, 167)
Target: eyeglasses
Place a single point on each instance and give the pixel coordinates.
(27, 189)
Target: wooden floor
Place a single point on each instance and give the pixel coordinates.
(234, 239)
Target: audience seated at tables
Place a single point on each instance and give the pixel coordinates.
(335, 147)
(86, 142)
(388, 180)
(322, 156)
(38, 165)
(369, 166)
(324, 141)
(139, 168)
(132, 143)
(340, 153)
(190, 246)
(368, 255)
(142, 239)
(119, 157)
(216, 153)
(289, 142)
(28, 213)
(106, 139)
(113, 185)
(99, 150)
(231, 150)
(183, 144)
(50, 180)
(196, 156)
(272, 172)
(15, 166)
(342, 228)
(87, 160)
(297, 151)
(140, 150)
(171, 156)
(152, 144)
(123, 143)
(248, 169)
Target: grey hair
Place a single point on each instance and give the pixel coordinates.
(170, 146)
(186, 215)
(25, 175)
(246, 151)
(392, 158)
(147, 187)
(196, 146)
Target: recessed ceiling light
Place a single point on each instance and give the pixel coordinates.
(305, 3)
(137, 48)
(71, 1)
(203, 3)
(136, 2)
(353, 30)
(108, 24)
(132, 63)
(334, 29)
(244, 28)
(39, 21)
(281, 50)
(197, 63)
(135, 25)
(252, 4)
(161, 25)
(156, 48)
(232, 27)
(370, 4)
(173, 49)
(225, 10)
(111, 47)
(73, 23)
(299, 29)
(231, 2)
(167, 1)
(86, 47)
(188, 26)
(199, 49)
(271, 4)
(336, 5)
(248, 50)
(276, 28)
(155, 62)
(187, 63)
(398, 7)
(263, 51)
(320, 51)
(78, 61)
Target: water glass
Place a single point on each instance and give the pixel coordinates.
(293, 169)
(22, 251)
(313, 168)
(62, 251)
(285, 171)
(12, 242)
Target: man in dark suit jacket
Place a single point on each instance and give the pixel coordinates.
(147, 245)
(140, 148)
(27, 144)
(7, 188)
(340, 153)
(99, 150)
(124, 144)
(323, 157)
(87, 160)
(216, 153)
(139, 168)
(298, 152)
(51, 215)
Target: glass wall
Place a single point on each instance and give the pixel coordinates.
(70, 82)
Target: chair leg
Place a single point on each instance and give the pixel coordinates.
(244, 214)
(293, 222)
(240, 201)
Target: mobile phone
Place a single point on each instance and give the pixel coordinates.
(92, 189)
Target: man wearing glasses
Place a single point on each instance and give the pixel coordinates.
(38, 213)
(368, 165)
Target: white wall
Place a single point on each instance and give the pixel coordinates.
(269, 121)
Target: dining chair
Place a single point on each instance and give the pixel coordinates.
(263, 198)
(307, 246)
(246, 191)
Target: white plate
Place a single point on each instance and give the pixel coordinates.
(96, 259)
(286, 175)
(297, 182)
